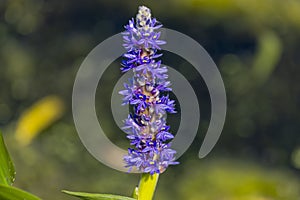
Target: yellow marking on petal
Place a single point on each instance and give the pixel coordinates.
(151, 163)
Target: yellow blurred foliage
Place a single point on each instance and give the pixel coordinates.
(37, 118)
(267, 56)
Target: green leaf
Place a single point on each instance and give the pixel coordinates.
(147, 186)
(12, 193)
(91, 196)
(7, 170)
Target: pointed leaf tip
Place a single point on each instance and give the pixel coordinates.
(94, 196)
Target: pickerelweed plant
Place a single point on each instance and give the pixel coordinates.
(147, 94)
(146, 126)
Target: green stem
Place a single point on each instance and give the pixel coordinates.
(147, 186)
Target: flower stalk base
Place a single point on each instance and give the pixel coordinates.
(147, 186)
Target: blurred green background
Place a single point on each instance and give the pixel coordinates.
(256, 46)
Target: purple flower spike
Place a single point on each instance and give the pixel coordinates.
(146, 127)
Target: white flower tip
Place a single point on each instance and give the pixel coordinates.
(144, 15)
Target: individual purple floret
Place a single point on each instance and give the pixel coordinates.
(146, 127)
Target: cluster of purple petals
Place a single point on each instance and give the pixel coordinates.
(146, 127)
(134, 38)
